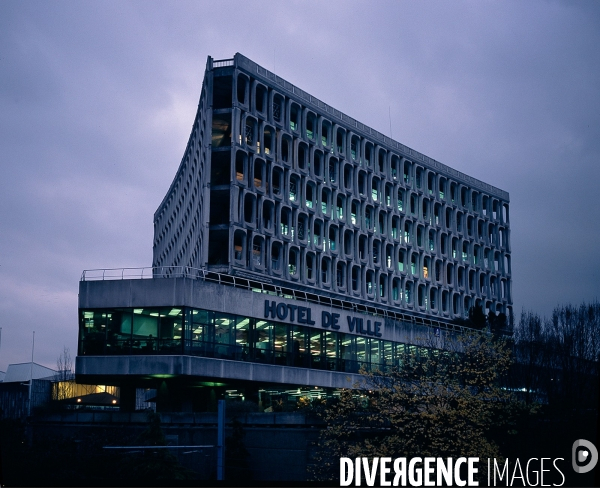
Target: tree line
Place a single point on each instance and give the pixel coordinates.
(556, 358)
(485, 394)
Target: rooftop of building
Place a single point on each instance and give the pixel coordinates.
(242, 62)
(16, 373)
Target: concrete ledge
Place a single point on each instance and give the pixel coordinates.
(209, 368)
(187, 292)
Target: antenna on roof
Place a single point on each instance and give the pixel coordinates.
(390, 114)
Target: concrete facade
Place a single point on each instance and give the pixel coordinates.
(277, 186)
(210, 369)
(199, 294)
(186, 292)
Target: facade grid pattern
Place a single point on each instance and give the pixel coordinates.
(291, 192)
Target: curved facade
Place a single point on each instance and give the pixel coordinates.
(278, 187)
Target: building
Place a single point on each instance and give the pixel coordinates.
(17, 389)
(294, 245)
(50, 390)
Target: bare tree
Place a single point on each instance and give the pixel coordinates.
(65, 382)
(531, 357)
(558, 357)
(573, 354)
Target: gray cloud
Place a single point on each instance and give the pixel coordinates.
(97, 100)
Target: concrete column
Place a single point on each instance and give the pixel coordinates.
(127, 398)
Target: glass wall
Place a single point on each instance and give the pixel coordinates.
(182, 330)
(131, 331)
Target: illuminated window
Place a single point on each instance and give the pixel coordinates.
(332, 170)
(294, 186)
(370, 281)
(294, 116)
(285, 221)
(257, 251)
(318, 232)
(354, 212)
(354, 144)
(341, 140)
(311, 123)
(375, 190)
(333, 236)
(340, 207)
(293, 261)
(269, 135)
(310, 195)
(238, 245)
(401, 257)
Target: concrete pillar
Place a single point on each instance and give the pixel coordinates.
(127, 398)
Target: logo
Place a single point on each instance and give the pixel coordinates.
(585, 456)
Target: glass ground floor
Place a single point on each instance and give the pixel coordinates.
(196, 332)
(201, 395)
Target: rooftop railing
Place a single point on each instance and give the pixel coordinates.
(142, 273)
(222, 63)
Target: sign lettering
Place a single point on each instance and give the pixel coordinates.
(297, 314)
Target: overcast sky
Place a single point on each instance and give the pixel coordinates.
(97, 100)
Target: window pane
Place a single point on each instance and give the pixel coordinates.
(223, 326)
(242, 339)
(170, 330)
(263, 343)
(145, 330)
(280, 344)
(93, 332)
(118, 332)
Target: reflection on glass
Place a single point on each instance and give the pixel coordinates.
(280, 344)
(263, 344)
(227, 336)
(223, 325)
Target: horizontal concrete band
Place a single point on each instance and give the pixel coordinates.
(186, 292)
(119, 367)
